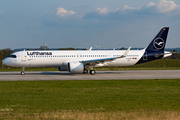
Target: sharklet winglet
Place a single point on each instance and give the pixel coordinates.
(125, 54)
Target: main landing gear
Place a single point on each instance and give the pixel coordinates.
(92, 72)
(85, 71)
(22, 72)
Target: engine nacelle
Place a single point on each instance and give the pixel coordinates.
(62, 68)
(75, 67)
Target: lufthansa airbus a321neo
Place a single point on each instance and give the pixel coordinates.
(76, 61)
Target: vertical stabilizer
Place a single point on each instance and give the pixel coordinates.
(159, 42)
(155, 50)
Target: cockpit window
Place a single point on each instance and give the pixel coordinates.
(12, 56)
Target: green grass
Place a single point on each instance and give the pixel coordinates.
(27, 99)
(111, 95)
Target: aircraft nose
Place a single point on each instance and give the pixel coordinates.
(5, 61)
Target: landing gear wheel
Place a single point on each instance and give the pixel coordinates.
(22, 73)
(92, 72)
(85, 71)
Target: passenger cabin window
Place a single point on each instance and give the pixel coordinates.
(13, 56)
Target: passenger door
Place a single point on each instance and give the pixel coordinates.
(23, 56)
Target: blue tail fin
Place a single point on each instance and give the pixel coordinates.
(155, 50)
(159, 42)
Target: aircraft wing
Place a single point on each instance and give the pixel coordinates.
(103, 60)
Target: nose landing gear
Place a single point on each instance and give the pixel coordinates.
(22, 72)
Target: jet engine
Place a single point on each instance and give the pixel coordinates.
(62, 68)
(75, 67)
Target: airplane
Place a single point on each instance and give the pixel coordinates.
(77, 61)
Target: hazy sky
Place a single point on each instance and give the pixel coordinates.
(82, 23)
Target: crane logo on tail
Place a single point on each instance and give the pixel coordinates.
(158, 43)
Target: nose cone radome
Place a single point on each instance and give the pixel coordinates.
(5, 61)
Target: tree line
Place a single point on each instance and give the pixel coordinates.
(5, 53)
(175, 55)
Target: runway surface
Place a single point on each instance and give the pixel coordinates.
(100, 75)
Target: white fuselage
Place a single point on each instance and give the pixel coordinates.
(61, 57)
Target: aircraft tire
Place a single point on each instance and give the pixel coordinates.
(92, 72)
(22, 73)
